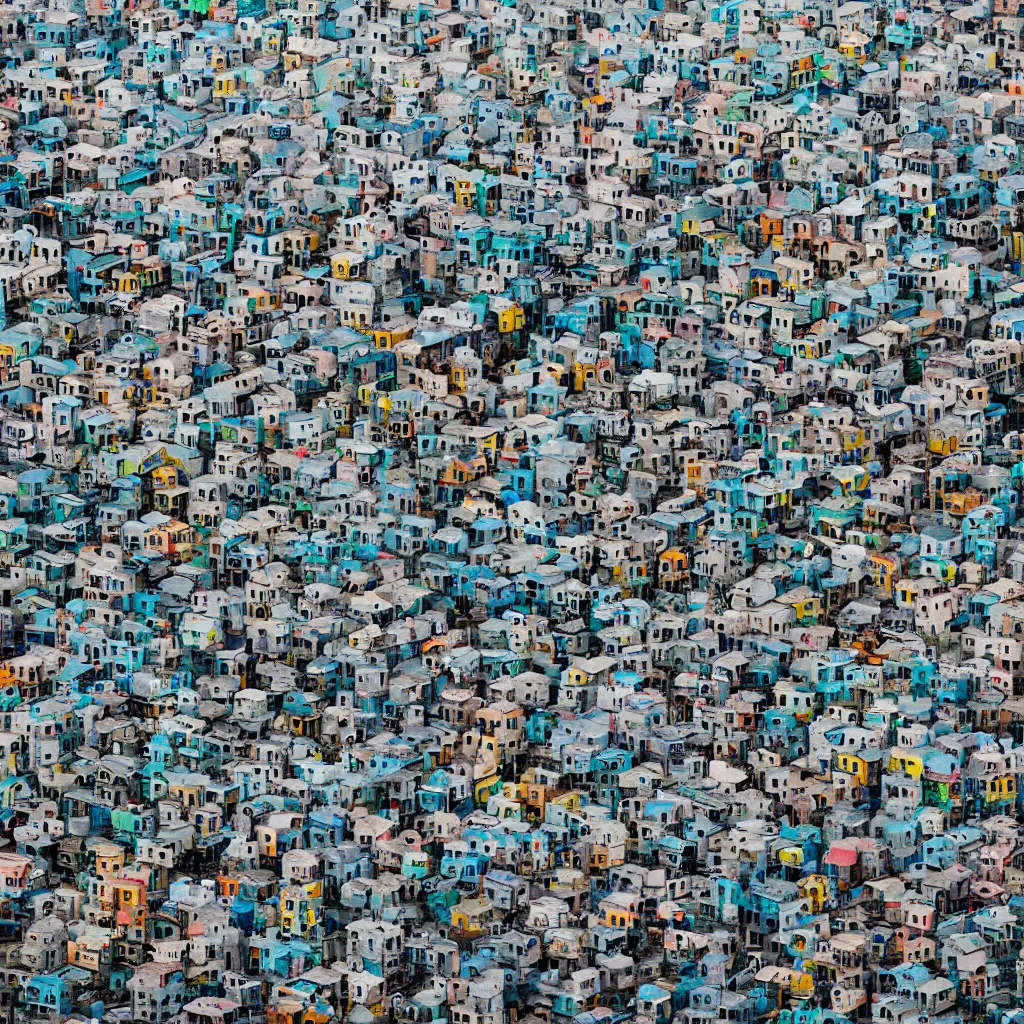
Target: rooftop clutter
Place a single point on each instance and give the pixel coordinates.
(509, 512)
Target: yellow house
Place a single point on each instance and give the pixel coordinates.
(602, 857)
(110, 858)
(471, 917)
(791, 856)
(852, 439)
(7, 356)
(488, 443)
(945, 569)
(673, 568)
(1004, 787)
(802, 985)
(906, 761)
(389, 338)
(347, 266)
(695, 226)
(854, 47)
(695, 477)
(619, 910)
(808, 348)
(906, 593)
(941, 443)
(534, 795)
(464, 192)
(485, 788)
(1017, 238)
(883, 569)
(225, 84)
(851, 764)
(584, 373)
(318, 1014)
(366, 394)
(815, 889)
(589, 671)
(960, 503)
(258, 300)
(511, 319)
(129, 893)
(189, 790)
(570, 801)
(151, 394)
(127, 281)
(165, 475)
(799, 984)
(807, 609)
(381, 338)
(298, 915)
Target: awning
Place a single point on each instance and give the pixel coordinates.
(841, 856)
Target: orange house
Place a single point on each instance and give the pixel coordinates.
(771, 224)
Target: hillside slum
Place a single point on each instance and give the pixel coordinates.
(509, 512)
